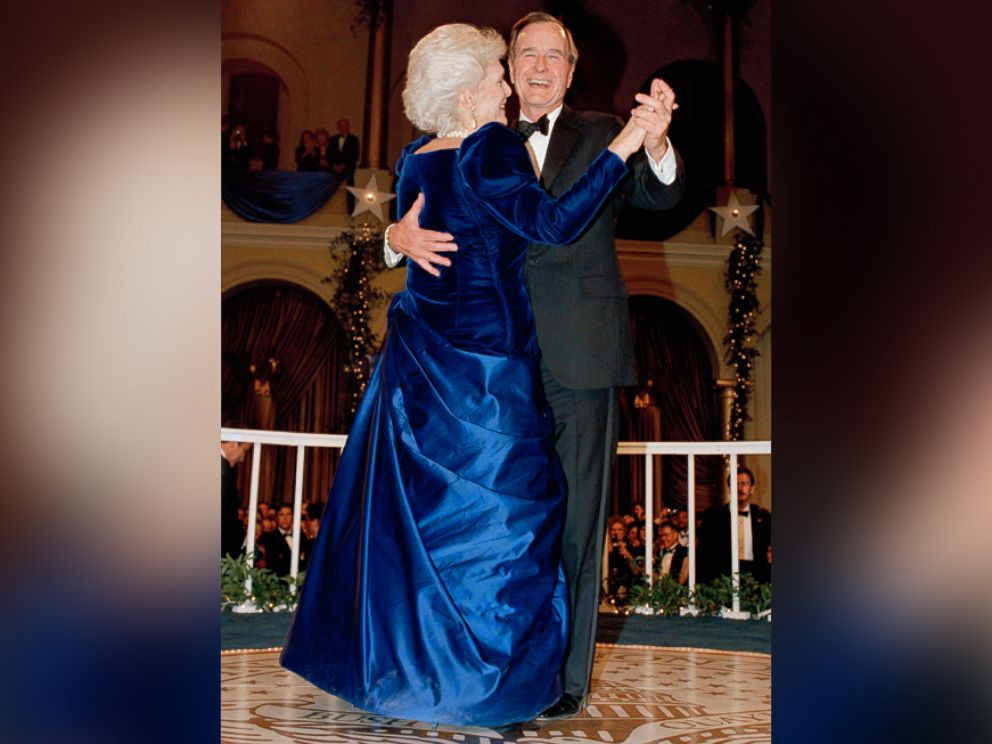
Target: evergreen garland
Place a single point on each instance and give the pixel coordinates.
(742, 268)
(353, 301)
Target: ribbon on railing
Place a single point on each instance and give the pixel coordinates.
(277, 196)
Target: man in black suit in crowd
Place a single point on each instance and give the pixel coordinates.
(754, 530)
(232, 532)
(579, 301)
(672, 555)
(278, 544)
(344, 156)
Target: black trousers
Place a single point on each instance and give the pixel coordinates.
(586, 431)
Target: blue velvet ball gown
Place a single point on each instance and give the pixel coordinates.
(435, 590)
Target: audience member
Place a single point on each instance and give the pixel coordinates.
(232, 533)
(344, 152)
(307, 158)
(672, 557)
(635, 544)
(312, 520)
(324, 153)
(259, 552)
(344, 157)
(237, 152)
(639, 514)
(681, 522)
(278, 543)
(754, 531)
(621, 564)
(309, 524)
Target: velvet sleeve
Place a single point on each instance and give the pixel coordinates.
(494, 165)
(407, 188)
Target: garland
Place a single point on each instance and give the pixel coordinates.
(742, 267)
(353, 301)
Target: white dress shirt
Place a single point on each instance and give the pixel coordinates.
(665, 169)
(745, 542)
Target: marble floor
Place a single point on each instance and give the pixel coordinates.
(640, 695)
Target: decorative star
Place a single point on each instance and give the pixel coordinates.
(369, 198)
(735, 215)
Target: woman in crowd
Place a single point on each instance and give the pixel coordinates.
(306, 152)
(237, 154)
(435, 590)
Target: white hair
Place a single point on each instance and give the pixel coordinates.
(450, 59)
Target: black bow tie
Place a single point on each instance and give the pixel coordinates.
(666, 551)
(744, 513)
(526, 128)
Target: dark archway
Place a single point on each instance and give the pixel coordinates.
(697, 133)
(671, 349)
(283, 353)
(251, 98)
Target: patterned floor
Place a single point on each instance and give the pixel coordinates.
(640, 695)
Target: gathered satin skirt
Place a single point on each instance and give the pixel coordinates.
(435, 590)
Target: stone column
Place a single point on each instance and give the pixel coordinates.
(725, 393)
(375, 127)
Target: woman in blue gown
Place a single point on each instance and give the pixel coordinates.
(435, 590)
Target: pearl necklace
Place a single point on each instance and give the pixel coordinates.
(456, 133)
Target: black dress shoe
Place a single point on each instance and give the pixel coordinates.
(566, 707)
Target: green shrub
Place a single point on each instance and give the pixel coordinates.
(668, 597)
(269, 592)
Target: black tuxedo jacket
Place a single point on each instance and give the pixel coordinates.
(714, 541)
(278, 554)
(679, 557)
(578, 295)
(347, 155)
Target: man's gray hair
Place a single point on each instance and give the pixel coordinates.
(539, 17)
(450, 59)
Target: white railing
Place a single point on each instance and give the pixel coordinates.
(648, 449)
(692, 450)
(285, 439)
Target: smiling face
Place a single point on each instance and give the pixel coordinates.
(668, 537)
(488, 101)
(539, 68)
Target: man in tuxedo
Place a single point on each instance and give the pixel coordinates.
(232, 532)
(278, 544)
(754, 535)
(344, 156)
(579, 301)
(672, 554)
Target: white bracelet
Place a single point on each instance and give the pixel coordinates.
(385, 236)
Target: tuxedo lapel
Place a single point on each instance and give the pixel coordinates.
(564, 139)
